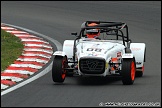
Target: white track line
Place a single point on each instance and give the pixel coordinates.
(12, 78)
(4, 86)
(27, 65)
(19, 71)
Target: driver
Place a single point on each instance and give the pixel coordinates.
(93, 33)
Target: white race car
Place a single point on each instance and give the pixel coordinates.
(113, 53)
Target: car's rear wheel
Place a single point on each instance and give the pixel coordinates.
(58, 69)
(128, 71)
(139, 72)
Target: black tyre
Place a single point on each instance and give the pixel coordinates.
(128, 71)
(139, 73)
(58, 69)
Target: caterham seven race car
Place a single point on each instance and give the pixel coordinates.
(112, 53)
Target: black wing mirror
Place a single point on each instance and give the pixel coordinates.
(74, 33)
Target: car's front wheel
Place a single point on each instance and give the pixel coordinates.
(58, 69)
(128, 71)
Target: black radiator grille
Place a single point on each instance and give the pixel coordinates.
(92, 65)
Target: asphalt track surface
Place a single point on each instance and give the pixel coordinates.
(57, 19)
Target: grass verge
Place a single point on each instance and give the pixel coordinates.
(11, 49)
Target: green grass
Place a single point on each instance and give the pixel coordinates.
(11, 49)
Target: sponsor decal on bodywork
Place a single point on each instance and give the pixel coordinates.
(119, 54)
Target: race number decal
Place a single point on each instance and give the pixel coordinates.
(94, 49)
(89, 49)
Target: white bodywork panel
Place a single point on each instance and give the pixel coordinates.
(59, 53)
(68, 48)
(99, 48)
(138, 50)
